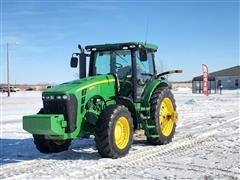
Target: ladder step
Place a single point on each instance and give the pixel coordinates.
(145, 117)
(154, 136)
(151, 127)
(145, 108)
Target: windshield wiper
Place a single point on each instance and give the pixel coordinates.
(142, 64)
(120, 56)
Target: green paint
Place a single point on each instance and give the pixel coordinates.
(51, 124)
(93, 94)
(150, 88)
(100, 87)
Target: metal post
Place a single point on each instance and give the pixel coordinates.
(8, 72)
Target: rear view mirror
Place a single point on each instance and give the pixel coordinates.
(74, 62)
(143, 55)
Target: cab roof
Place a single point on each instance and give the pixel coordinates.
(121, 46)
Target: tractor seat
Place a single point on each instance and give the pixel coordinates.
(123, 72)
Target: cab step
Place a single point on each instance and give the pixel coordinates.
(154, 136)
(143, 109)
(150, 127)
(145, 117)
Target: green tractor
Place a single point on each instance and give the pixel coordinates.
(118, 91)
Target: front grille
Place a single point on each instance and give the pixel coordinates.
(67, 107)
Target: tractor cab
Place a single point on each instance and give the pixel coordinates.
(132, 63)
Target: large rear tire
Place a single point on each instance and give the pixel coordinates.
(50, 146)
(114, 133)
(163, 116)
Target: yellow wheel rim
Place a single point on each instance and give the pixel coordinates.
(59, 142)
(166, 116)
(121, 132)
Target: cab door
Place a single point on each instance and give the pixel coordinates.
(145, 71)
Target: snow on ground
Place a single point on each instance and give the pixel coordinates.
(206, 145)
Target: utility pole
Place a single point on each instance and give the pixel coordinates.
(8, 71)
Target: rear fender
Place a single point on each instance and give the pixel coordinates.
(150, 89)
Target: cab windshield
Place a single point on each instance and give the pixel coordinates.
(117, 62)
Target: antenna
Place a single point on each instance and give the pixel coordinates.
(146, 33)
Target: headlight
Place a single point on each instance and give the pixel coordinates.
(57, 97)
(65, 97)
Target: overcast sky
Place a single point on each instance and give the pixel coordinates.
(188, 33)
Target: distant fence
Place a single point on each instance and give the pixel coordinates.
(40, 87)
(176, 85)
(27, 87)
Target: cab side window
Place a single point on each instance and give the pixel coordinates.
(145, 69)
(123, 64)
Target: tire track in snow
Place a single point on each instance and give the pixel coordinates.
(146, 155)
(211, 123)
(204, 169)
(136, 158)
(150, 158)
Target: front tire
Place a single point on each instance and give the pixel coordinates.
(50, 146)
(114, 133)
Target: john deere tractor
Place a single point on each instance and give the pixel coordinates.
(118, 91)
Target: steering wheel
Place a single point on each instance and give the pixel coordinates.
(140, 82)
(118, 65)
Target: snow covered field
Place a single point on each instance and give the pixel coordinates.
(206, 145)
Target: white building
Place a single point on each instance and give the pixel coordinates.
(227, 79)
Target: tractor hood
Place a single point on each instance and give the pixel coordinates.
(78, 85)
